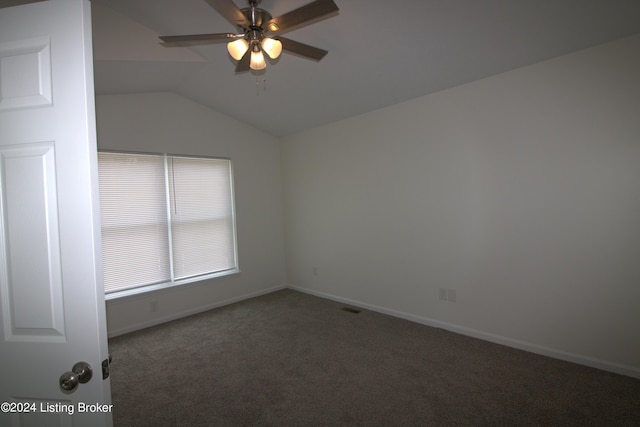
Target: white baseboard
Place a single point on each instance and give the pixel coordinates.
(185, 313)
(509, 342)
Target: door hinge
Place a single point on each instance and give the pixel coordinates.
(105, 367)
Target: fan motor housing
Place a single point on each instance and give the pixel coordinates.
(259, 18)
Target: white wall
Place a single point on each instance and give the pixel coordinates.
(520, 191)
(165, 122)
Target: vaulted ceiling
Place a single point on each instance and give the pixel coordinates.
(380, 52)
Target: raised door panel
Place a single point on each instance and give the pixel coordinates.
(30, 277)
(25, 74)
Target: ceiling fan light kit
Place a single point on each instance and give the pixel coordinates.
(238, 48)
(259, 33)
(272, 47)
(257, 59)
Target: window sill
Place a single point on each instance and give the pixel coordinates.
(165, 285)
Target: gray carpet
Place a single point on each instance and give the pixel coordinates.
(290, 359)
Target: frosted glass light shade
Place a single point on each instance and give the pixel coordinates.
(257, 61)
(238, 48)
(272, 47)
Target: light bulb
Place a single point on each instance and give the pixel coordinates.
(238, 48)
(257, 60)
(272, 47)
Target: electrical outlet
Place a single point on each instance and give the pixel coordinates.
(315, 271)
(445, 294)
(451, 295)
(154, 306)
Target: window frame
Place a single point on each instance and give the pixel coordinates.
(141, 289)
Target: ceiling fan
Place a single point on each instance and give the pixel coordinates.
(259, 32)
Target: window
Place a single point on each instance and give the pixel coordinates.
(166, 220)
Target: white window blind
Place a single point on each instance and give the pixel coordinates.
(135, 242)
(164, 218)
(201, 216)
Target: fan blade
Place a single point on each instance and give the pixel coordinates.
(305, 15)
(197, 39)
(243, 64)
(302, 49)
(230, 12)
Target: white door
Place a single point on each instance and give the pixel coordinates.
(52, 311)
